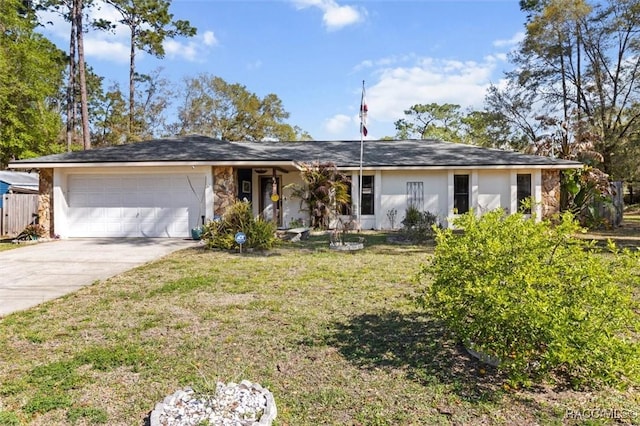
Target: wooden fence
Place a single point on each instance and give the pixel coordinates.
(18, 211)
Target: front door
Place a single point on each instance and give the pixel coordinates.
(269, 188)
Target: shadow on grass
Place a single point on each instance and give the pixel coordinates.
(418, 345)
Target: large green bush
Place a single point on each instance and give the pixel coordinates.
(546, 304)
(239, 217)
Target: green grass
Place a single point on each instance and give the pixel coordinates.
(337, 338)
(7, 245)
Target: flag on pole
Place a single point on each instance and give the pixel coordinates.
(363, 113)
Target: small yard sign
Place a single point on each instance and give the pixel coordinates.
(240, 238)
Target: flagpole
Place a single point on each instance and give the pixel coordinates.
(362, 112)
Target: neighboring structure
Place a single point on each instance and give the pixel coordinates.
(18, 201)
(17, 183)
(165, 187)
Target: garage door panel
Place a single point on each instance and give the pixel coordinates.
(111, 200)
(154, 205)
(127, 183)
(148, 215)
(145, 200)
(84, 199)
(159, 182)
(114, 214)
(85, 214)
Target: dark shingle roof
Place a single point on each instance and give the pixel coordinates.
(404, 153)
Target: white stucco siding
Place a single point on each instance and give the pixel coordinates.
(488, 190)
(394, 194)
(491, 189)
(291, 205)
(131, 202)
(494, 190)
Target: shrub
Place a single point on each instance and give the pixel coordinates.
(417, 225)
(543, 302)
(33, 231)
(261, 235)
(239, 218)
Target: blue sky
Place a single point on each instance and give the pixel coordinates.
(314, 54)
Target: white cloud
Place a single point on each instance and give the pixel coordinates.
(191, 50)
(334, 15)
(363, 65)
(209, 38)
(113, 46)
(384, 62)
(337, 124)
(428, 80)
(175, 49)
(397, 82)
(54, 24)
(513, 41)
(95, 47)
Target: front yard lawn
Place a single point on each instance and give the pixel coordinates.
(336, 337)
(6, 244)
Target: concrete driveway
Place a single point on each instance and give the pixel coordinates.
(35, 273)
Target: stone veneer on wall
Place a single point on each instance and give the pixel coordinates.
(550, 192)
(224, 189)
(45, 198)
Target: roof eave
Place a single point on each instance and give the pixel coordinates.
(470, 167)
(46, 165)
(56, 165)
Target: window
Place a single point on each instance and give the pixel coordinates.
(415, 195)
(524, 192)
(461, 193)
(345, 209)
(367, 201)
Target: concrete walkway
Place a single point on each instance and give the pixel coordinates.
(32, 274)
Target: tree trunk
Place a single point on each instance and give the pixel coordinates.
(86, 136)
(132, 88)
(564, 126)
(71, 92)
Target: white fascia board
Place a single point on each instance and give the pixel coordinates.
(494, 167)
(260, 164)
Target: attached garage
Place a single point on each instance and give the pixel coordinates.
(133, 205)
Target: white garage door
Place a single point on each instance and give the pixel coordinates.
(148, 205)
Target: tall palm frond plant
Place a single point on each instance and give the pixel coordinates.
(324, 192)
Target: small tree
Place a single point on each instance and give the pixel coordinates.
(543, 302)
(324, 193)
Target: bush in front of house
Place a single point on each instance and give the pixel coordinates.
(418, 225)
(32, 232)
(220, 234)
(543, 302)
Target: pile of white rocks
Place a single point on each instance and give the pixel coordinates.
(243, 404)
